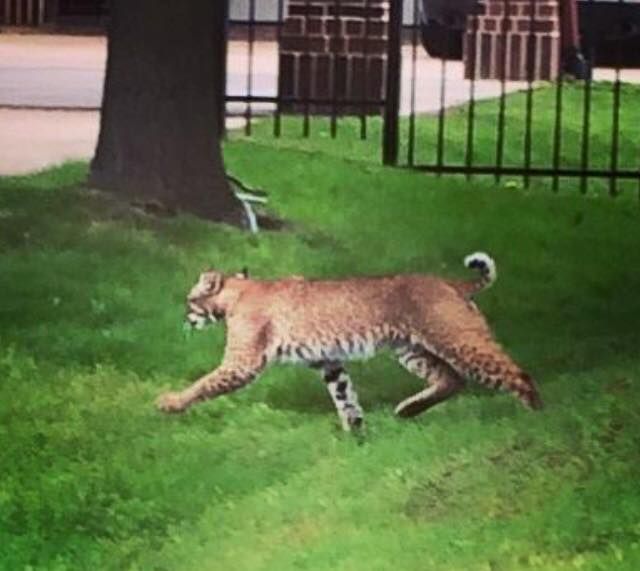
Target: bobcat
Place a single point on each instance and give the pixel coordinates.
(432, 325)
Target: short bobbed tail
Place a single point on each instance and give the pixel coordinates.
(486, 266)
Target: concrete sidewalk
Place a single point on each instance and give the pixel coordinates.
(31, 140)
(34, 139)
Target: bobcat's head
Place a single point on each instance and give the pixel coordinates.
(207, 302)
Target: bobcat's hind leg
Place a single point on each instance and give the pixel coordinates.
(443, 382)
(343, 395)
(484, 361)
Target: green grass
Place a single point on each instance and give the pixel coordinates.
(92, 477)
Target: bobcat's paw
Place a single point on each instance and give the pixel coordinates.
(170, 402)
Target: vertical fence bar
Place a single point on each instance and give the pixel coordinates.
(251, 32)
(443, 97)
(277, 117)
(471, 58)
(412, 103)
(615, 120)
(531, 61)
(586, 116)
(557, 133)
(557, 128)
(367, 67)
(392, 88)
(41, 12)
(503, 92)
(306, 126)
(334, 71)
(364, 108)
(221, 64)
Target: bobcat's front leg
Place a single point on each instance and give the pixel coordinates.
(245, 356)
(228, 377)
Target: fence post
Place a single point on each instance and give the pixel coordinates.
(392, 96)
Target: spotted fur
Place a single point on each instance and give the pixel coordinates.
(431, 324)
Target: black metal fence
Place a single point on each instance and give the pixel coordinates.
(263, 37)
(55, 13)
(449, 111)
(22, 12)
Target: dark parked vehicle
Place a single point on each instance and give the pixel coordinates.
(442, 23)
(609, 29)
(610, 32)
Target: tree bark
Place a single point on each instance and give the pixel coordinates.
(159, 133)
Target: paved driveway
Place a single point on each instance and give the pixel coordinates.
(68, 71)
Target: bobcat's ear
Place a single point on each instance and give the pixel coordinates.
(212, 281)
(243, 274)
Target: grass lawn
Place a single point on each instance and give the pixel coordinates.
(92, 477)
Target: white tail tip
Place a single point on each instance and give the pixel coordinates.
(483, 262)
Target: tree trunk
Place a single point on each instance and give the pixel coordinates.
(159, 127)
